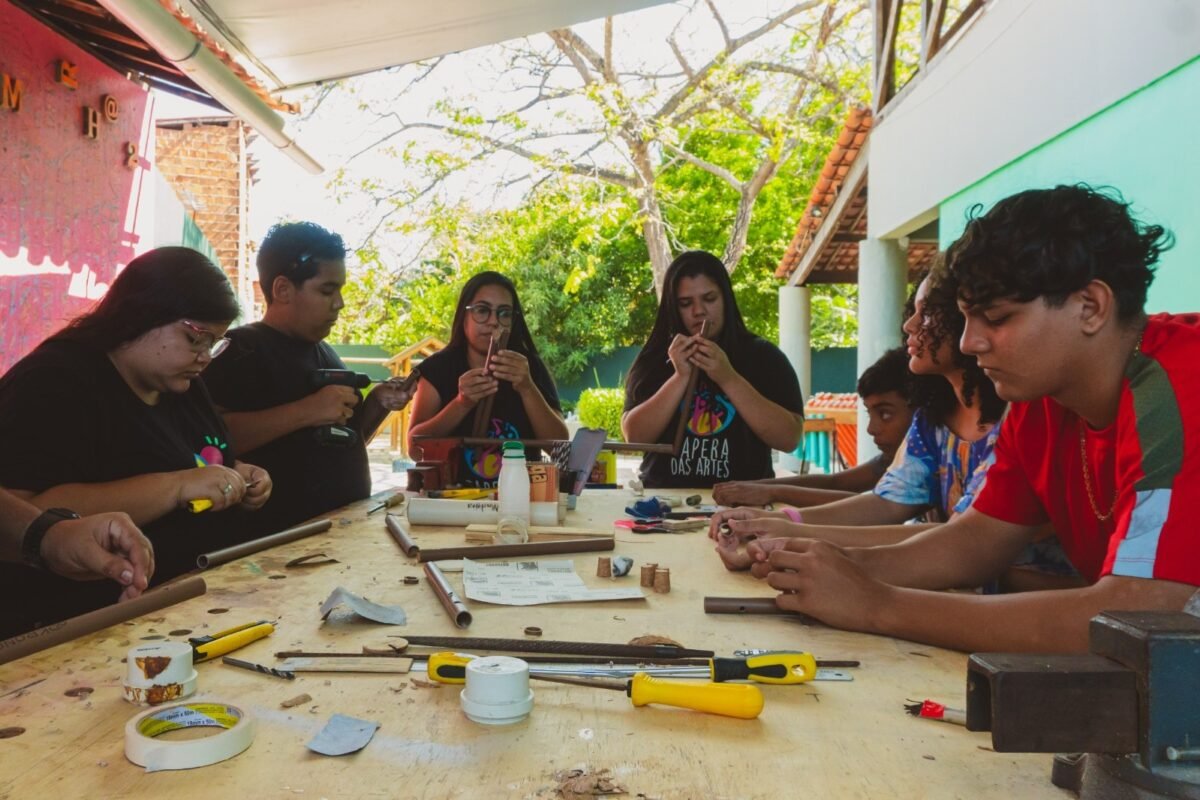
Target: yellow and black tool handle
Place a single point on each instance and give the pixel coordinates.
(771, 668)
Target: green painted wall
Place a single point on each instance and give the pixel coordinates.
(1144, 146)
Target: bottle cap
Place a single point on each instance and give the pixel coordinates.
(513, 447)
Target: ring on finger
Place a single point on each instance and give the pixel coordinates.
(227, 488)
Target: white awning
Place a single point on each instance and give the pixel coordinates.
(295, 43)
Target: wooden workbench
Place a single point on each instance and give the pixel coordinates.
(826, 739)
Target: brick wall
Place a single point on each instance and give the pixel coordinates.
(202, 160)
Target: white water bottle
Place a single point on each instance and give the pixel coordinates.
(513, 486)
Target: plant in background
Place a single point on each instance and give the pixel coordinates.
(601, 408)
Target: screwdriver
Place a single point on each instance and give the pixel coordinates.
(779, 668)
(729, 700)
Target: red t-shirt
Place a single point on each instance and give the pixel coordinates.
(1145, 466)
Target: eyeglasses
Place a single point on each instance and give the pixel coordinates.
(482, 312)
(204, 341)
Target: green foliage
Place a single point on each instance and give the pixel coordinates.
(601, 408)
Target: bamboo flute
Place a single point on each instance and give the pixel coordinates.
(450, 601)
(513, 550)
(688, 399)
(218, 557)
(399, 531)
(751, 605)
(483, 411)
(35, 641)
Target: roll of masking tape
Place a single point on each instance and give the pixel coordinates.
(159, 673)
(143, 749)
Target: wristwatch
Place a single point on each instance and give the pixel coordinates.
(31, 545)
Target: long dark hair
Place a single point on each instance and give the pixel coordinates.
(934, 393)
(519, 338)
(650, 368)
(159, 287)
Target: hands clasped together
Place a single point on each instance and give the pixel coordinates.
(507, 365)
(689, 352)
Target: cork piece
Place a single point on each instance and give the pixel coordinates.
(648, 575)
(662, 580)
(604, 567)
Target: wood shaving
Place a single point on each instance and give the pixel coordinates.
(579, 784)
(424, 684)
(650, 639)
(298, 700)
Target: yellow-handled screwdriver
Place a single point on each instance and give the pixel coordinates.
(742, 701)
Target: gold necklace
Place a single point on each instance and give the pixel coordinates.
(1083, 457)
(1087, 478)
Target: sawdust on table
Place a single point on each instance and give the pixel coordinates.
(579, 784)
(650, 639)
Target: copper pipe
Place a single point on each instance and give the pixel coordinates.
(447, 597)
(510, 550)
(483, 411)
(689, 395)
(399, 531)
(25, 644)
(218, 557)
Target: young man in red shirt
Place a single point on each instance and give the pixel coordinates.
(1102, 442)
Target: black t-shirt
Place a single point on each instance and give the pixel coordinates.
(718, 444)
(67, 416)
(481, 465)
(264, 368)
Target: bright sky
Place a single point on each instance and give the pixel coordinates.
(338, 129)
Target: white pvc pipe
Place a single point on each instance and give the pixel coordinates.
(159, 28)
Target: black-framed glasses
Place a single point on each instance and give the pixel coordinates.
(482, 312)
(204, 341)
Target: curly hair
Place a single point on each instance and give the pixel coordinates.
(945, 323)
(1049, 243)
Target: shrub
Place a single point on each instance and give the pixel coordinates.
(601, 408)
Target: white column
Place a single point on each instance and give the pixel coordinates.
(882, 286)
(795, 326)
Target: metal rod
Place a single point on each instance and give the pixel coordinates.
(512, 550)
(472, 644)
(547, 444)
(446, 595)
(399, 531)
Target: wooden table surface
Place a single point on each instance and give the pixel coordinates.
(823, 739)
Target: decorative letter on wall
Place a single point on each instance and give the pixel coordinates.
(91, 122)
(10, 96)
(68, 74)
(109, 103)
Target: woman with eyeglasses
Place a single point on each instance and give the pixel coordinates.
(107, 415)
(454, 383)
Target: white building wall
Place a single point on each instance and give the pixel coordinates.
(1023, 72)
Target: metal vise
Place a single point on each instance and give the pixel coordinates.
(1132, 706)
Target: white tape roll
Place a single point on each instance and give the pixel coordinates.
(159, 673)
(154, 754)
(435, 511)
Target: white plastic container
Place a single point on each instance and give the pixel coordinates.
(513, 486)
(497, 690)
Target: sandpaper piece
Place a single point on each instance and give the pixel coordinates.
(310, 560)
(393, 666)
(343, 735)
(388, 615)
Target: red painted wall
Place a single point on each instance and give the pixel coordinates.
(68, 204)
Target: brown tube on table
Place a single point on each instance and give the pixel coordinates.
(35, 641)
(752, 605)
(688, 398)
(399, 532)
(218, 557)
(450, 601)
(509, 550)
(546, 444)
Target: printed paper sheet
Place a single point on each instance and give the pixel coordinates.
(528, 583)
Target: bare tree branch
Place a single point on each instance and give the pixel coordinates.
(707, 166)
(720, 23)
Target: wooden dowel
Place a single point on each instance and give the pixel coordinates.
(547, 444)
(218, 557)
(35, 641)
(689, 396)
(513, 550)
